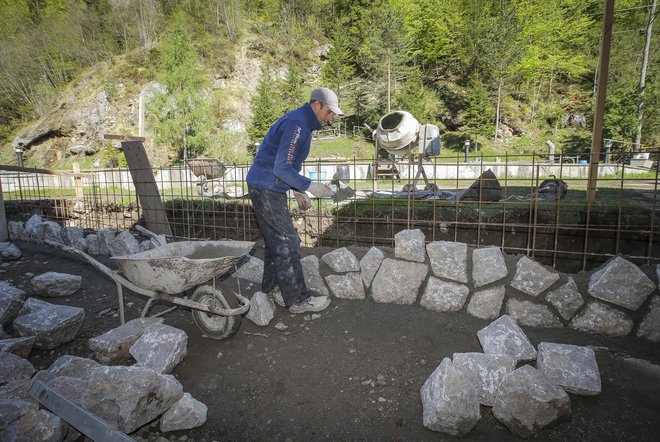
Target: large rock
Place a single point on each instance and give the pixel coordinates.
(370, 263)
(71, 234)
(252, 270)
(113, 346)
(55, 284)
(622, 283)
(487, 303)
(13, 409)
(160, 348)
(50, 231)
(125, 397)
(531, 314)
(92, 242)
(262, 309)
(650, 326)
(20, 347)
(449, 260)
(124, 244)
(450, 403)
(444, 296)
(571, 367)
(398, 282)
(342, 260)
(312, 274)
(488, 265)
(532, 278)
(17, 231)
(504, 337)
(485, 372)
(566, 299)
(346, 286)
(35, 426)
(51, 325)
(69, 366)
(9, 251)
(602, 319)
(527, 402)
(11, 303)
(14, 368)
(409, 245)
(32, 228)
(104, 237)
(185, 414)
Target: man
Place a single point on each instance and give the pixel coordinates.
(275, 171)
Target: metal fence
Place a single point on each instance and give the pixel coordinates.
(499, 201)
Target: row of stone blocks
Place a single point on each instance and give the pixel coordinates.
(482, 283)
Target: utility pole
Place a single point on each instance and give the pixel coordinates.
(601, 94)
(642, 77)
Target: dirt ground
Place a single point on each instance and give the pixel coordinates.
(354, 373)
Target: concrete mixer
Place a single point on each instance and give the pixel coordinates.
(399, 133)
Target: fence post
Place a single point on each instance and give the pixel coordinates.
(3, 217)
(78, 181)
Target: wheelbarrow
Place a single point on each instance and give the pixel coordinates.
(209, 172)
(174, 268)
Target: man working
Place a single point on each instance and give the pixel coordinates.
(275, 171)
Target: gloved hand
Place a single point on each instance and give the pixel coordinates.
(320, 190)
(303, 200)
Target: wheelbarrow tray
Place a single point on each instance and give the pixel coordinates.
(176, 267)
(207, 168)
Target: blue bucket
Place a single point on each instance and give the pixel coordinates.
(313, 175)
(584, 162)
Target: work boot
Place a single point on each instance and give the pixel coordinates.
(276, 294)
(311, 304)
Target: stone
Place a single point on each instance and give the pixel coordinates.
(487, 303)
(51, 231)
(252, 270)
(69, 366)
(649, 328)
(33, 232)
(20, 347)
(488, 265)
(398, 281)
(409, 245)
(7, 288)
(124, 244)
(52, 326)
(444, 296)
(566, 299)
(14, 368)
(55, 284)
(527, 402)
(185, 414)
(17, 231)
(532, 278)
(125, 397)
(113, 346)
(449, 260)
(147, 244)
(160, 348)
(9, 251)
(485, 372)
(104, 237)
(13, 409)
(449, 401)
(36, 426)
(531, 314)
(602, 319)
(571, 367)
(10, 306)
(93, 247)
(370, 263)
(262, 309)
(346, 286)
(342, 260)
(622, 283)
(70, 234)
(312, 274)
(505, 337)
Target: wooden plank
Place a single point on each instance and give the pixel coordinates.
(123, 137)
(4, 231)
(145, 186)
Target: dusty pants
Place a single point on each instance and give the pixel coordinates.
(282, 246)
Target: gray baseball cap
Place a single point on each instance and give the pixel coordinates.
(327, 97)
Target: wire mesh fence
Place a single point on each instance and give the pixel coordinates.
(525, 205)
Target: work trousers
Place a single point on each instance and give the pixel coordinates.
(282, 265)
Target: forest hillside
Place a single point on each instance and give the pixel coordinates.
(214, 74)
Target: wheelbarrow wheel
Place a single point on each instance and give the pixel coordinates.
(214, 326)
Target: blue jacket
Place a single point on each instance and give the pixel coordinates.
(279, 159)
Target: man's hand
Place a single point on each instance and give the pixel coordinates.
(320, 190)
(303, 200)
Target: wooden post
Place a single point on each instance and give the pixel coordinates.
(78, 181)
(601, 94)
(4, 233)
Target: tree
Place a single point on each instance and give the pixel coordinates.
(265, 107)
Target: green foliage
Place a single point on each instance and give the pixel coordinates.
(479, 110)
(265, 107)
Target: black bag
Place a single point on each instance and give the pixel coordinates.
(553, 189)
